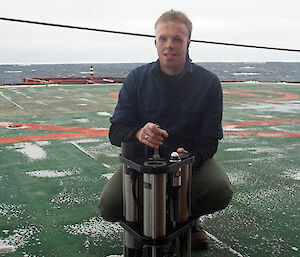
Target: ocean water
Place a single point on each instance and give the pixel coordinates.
(268, 71)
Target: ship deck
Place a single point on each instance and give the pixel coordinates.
(55, 158)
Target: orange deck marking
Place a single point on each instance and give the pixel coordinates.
(260, 122)
(82, 132)
(73, 132)
(285, 96)
(253, 93)
(231, 92)
(114, 94)
(277, 134)
(262, 133)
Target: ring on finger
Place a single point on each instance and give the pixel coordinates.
(146, 137)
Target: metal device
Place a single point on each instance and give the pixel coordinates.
(156, 202)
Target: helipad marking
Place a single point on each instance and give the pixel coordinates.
(231, 92)
(114, 94)
(224, 245)
(82, 150)
(73, 132)
(286, 96)
(261, 122)
(262, 133)
(15, 104)
(81, 132)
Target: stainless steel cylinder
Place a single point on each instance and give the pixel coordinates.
(154, 221)
(154, 195)
(130, 207)
(182, 201)
(183, 210)
(176, 180)
(130, 187)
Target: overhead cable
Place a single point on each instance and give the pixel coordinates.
(144, 35)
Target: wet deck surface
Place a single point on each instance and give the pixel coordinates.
(55, 159)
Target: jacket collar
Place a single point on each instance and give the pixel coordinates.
(188, 70)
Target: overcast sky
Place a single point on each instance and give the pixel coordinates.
(273, 23)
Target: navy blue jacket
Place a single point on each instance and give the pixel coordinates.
(190, 110)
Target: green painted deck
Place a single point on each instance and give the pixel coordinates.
(55, 158)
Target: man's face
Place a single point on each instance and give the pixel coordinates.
(171, 41)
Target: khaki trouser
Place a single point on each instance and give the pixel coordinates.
(211, 191)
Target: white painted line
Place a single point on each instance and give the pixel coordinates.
(87, 100)
(108, 175)
(82, 150)
(39, 102)
(223, 244)
(12, 101)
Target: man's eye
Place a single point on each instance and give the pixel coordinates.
(162, 39)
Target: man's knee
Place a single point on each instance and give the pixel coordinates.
(212, 200)
(211, 190)
(110, 202)
(107, 210)
(103, 209)
(222, 196)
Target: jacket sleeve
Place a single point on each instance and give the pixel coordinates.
(124, 122)
(211, 130)
(205, 150)
(119, 132)
(126, 111)
(211, 121)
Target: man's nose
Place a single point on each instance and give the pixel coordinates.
(169, 43)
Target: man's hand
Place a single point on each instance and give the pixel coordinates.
(181, 150)
(151, 135)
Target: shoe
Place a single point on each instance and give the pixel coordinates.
(199, 239)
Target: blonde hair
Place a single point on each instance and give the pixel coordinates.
(176, 16)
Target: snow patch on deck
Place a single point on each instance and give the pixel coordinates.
(6, 248)
(104, 148)
(19, 238)
(74, 196)
(32, 150)
(51, 173)
(256, 150)
(82, 120)
(86, 140)
(238, 178)
(280, 106)
(43, 143)
(233, 128)
(292, 173)
(103, 113)
(96, 227)
(11, 211)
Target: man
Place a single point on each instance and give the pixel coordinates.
(186, 101)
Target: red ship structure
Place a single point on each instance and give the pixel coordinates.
(73, 80)
(69, 80)
(94, 80)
